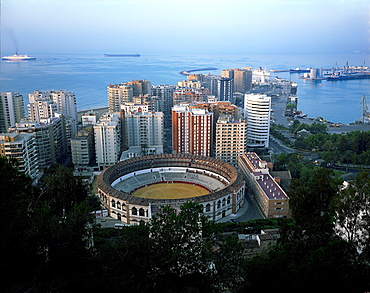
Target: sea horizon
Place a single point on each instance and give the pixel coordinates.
(89, 74)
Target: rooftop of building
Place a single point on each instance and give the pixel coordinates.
(13, 136)
(255, 161)
(270, 187)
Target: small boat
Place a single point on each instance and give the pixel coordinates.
(16, 57)
(122, 55)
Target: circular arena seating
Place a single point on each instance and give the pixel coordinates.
(116, 183)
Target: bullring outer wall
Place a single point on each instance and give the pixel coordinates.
(132, 210)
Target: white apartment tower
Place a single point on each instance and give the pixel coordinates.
(21, 146)
(108, 140)
(66, 103)
(192, 130)
(231, 139)
(46, 104)
(257, 109)
(144, 129)
(11, 110)
(50, 139)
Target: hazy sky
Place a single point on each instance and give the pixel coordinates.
(185, 26)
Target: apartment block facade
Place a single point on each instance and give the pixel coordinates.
(51, 142)
(242, 78)
(192, 130)
(108, 140)
(145, 129)
(231, 139)
(83, 148)
(188, 96)
(11, 110)
(119, 94)
(21, 146)
(270, 197)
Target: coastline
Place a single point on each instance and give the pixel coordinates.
(279, 106)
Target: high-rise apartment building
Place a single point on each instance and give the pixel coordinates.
(66, 103)
(141, 87)
(89, 118)
(217, 108)
(40, 106)
(83, 148)
(108, 140)
(225, 89)
(242, 78)
(144, 129)
(126, 92)
(192, 130)
(43, 105)
(188, 96)
(21, 146)
(190, 83)
(11, 110)
(207, 81)
(257, 109)
(231, 139)
(51, 142)
(164, 94)
(119, 94)
(132, 107)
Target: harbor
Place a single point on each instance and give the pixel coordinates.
(331, 74)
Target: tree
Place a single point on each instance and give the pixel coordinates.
(61, 189)
(177, 250)
(353, 212)
(16, 245)
(61, 226)
(310, 202)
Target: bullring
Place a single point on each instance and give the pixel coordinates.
(225, 187)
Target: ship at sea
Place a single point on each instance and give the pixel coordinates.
(122, 55)
(17, 57)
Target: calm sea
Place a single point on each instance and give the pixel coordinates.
(89, 75)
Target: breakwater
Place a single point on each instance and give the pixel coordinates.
(188, 72)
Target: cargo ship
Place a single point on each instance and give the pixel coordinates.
(122, 55)
(17, 57)
(348, 76)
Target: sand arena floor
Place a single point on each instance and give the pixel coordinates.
(170, 191)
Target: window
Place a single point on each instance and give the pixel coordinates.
(208, 207)
(141, 212)
(134, 211)
(113, 203)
